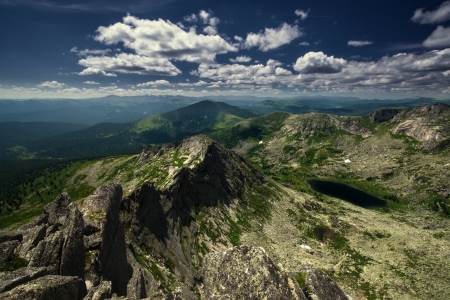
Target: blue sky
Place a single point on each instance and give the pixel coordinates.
(80, 49)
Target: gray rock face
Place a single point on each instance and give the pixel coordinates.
(106, 238)
(383, 115)
(319, 286)
(72, 253)
(49, 287)
(247, 273)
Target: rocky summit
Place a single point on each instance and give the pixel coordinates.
(172, 238)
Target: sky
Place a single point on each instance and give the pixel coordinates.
(94, 48)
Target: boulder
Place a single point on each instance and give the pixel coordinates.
(247, 273)
(319, 286)
(49, 287)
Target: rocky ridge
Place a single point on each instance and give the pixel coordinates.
(153, 243)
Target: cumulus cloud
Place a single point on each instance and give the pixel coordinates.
(273, 38)
(191, 18)
(129, 63)
(304, 44)
(91, 82)
(302, 14)
(87, 52)
(440, 14)
(96, 71)
(242, 58)
(440, 38)
(154, 83)
(318, 62)
(51, 84)
(163, 39)
(242, 76)
(359, 43)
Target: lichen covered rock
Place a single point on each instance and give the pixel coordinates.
(319, 286)
(247, 273)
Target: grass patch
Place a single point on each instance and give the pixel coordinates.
(301, 279)
(14, 264)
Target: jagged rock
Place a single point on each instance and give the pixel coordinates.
(101, 210)
(9, 280)
(247, 273)
(58, 209)
(72, 252)
(319, 286)
(33, 237)
(49, 287)
(383, 115)
(100, 292)
(62, 252)
(7, 251)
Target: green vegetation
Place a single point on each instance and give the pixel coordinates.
(14, 264)
(301, 279)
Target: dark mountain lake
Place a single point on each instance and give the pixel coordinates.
(345, 192)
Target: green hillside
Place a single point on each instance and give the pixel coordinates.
(120, 138)
(201, 117)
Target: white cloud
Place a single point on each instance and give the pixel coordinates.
(154, 83)
(191, 18)
(51, 84)
(302, 14)
(163, 39)
(273, 38)
(87, 52)
(281, 71)
(440, 38)
(318, 62)
(359, 43)
(304, 44)
(130, 63)
(238, 38)
(210, 30)
(96, 71)
(91, 82)
(441, 14)
(204, 16)
(241, 58)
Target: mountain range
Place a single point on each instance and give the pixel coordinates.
(229, 209)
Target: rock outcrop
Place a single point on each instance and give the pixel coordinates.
(427, 124)
(247, 273)
(105, 239)
(53, 244)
